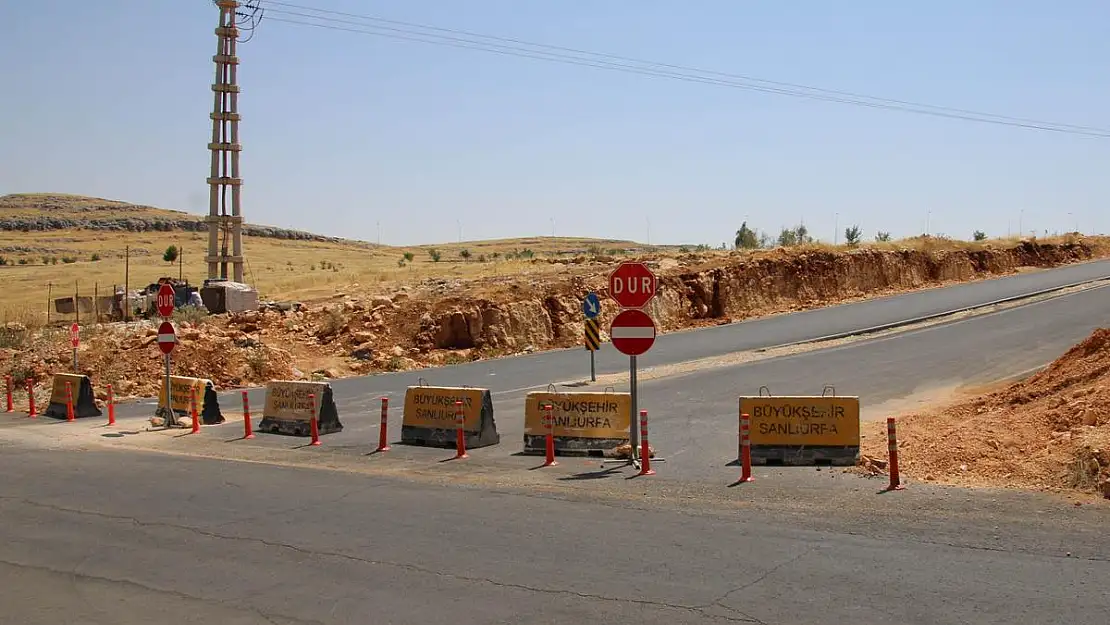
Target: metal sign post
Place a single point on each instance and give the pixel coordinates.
(75, 341)
(167, 339)
(591, 308)
(632, 284)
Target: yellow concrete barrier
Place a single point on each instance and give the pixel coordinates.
(181, 397)
(84, 402)
(287, 409)
(803, 430)
(430, 412)
(584, 423)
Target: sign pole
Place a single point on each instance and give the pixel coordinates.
(170, 420)
(633, 423)
(593, 368)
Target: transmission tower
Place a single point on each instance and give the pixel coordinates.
(225, 216)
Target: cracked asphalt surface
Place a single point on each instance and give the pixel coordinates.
(104, 537)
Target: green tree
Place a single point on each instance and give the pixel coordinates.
(746, 238)
(882, 237)
(170, 255)
(853, 235)
(409, 256)
(464, 254)
(435, 254)
(979, 235)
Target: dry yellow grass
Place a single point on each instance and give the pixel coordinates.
(278, 268)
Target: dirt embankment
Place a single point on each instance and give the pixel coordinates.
(693, 294)
(1051, 431)
(443, 321)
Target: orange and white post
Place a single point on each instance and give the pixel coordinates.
(549, 428)
(745, 448)
(645, 448)
(313, 425)
(248, 432)
(383, 433)
(193, 409)
(460, 435)
(892, 449)
(69, 402)
(111, 401)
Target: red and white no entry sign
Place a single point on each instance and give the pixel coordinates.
(164, 300)
(166, 337)
(75, 335)
(632, 332)
(632, 284)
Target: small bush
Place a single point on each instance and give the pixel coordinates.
(170, 255)
(853, 235)
(409, 256)
(979, 235)
(94, 258)
(46, 260)
(481, 258)
(69, 260)
(24, 261)
(527, 253)
(435, 255)
(190, 314)
(3, 261)
(882, 237)
(53, 260)
(258, 362)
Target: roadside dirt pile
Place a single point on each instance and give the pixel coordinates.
(1050, 432)
(127, 356)
(394, 327)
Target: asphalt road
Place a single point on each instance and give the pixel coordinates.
(528, 371)
(133, 539)
(693, 416)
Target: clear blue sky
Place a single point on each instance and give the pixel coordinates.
(111, 98)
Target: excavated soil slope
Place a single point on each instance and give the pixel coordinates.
(1051, 431)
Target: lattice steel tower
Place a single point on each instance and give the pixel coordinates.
(225, 216)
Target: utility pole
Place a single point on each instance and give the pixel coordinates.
(225, 213)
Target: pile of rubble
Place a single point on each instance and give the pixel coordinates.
(1049, 432)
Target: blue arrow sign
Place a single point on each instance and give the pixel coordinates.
(591, 306)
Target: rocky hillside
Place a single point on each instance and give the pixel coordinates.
(29, 212)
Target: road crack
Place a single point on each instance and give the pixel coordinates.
(161, 591)
(699, 609)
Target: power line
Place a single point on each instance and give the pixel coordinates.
(396, 29)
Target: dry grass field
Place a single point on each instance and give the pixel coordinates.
(54, 263)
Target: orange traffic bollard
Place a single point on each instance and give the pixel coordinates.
(248, 432)
(645, 448)
(549, 427)
(312, 422)
(460, 436)
(193, 410)
(69, 402)
(745, 448)
(111, 407)
(892, 449)
(383, 436)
